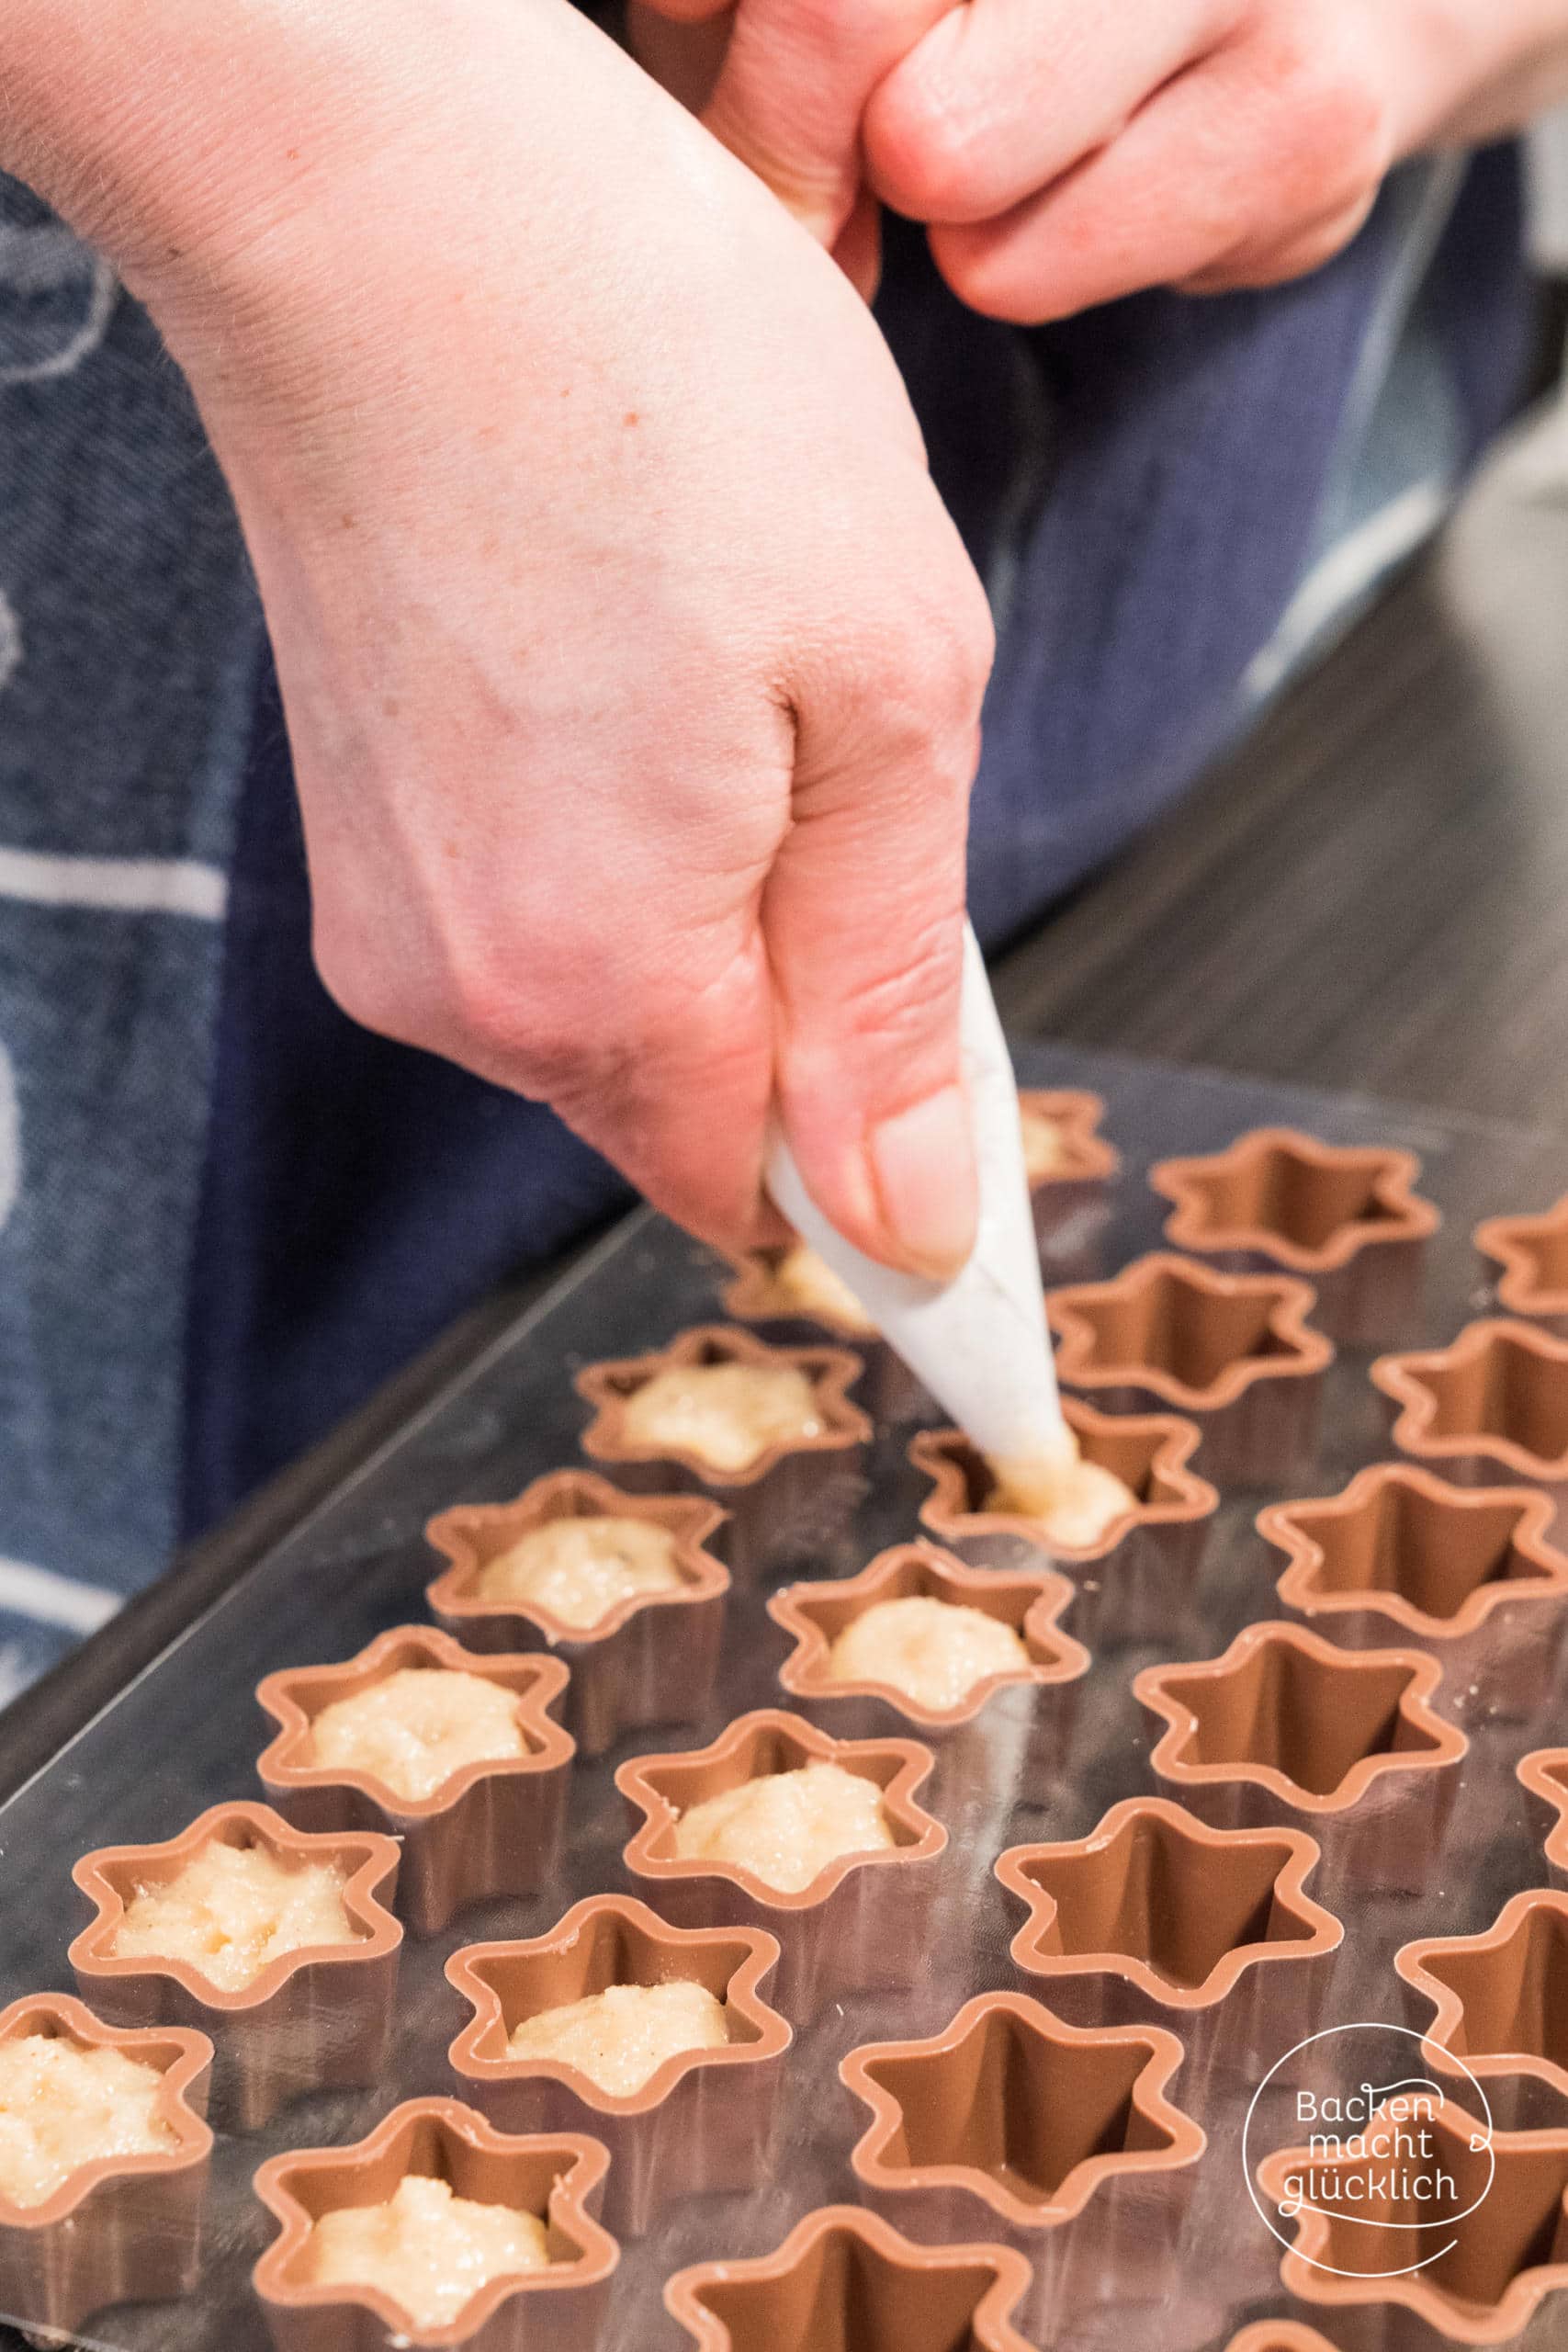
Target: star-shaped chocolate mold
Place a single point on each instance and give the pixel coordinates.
(473, 1536)
(1499, 2001)
(1286, 1729)
(1196, 1337)
(491, 1827)
(836, 1424)
(1543, 1776)
(119, 2227)
(1062, 1142)
(845, 2281)
(795, 1499)
(1346, 1218)
(556, 2179)
(1533, 1254)
(1479, 2251)
(1022, 2115)
(1178, 1909)
(1134, 1579)
(663, 1788)
(790, 1295)
(1492, 1406)
(316, 2015)
(652, 1658)
(1231, 1351)
(853, 1926)
(1029, 1604)
(1318, 1725)
(662, 2137)
(608, 1940)
(1423, 1556)
(1149, 1454)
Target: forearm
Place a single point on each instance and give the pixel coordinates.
(162, 129)
(249, 164)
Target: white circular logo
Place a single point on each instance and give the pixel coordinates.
(1357, 2134)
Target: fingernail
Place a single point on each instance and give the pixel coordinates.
(923, 1165)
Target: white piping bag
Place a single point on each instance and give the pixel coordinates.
(979, 1343)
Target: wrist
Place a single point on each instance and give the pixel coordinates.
(233, 157)
(150, 124)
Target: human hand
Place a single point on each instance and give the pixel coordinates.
(1067, 151)
(632, 666)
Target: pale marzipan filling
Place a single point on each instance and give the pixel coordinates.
(1073, 1502)
(933, 1651)
(808, 1282)
(63, 2106)
(787, 1827)
(726, 1414)
(417, 1727)
(1042, 1149)
(231, 1909)
(619, 2038)
(429, 2250)
(581, 1568)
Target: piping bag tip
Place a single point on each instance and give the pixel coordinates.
(979, 1343)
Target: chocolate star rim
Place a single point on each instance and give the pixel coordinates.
(471, 1535)
(551, 2175)
(1035, 2064)
(1079, 1312)
(832, 1371)
(1461, 1383)
(1543, 1775)
(899, 1767)
(1269, 1868)
(111, 1874)
(1511, 1523)
(589, 1949)
(1356, 1197)
(1088, 1157)
(1531, 2169)
(1149, 1451)
(296, 1695)
(182, 2058)
(1031, 1602)
(786, 2286)
(1532, 1252)
(1180, 1695)
(1494, 1974)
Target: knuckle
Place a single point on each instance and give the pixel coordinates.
(510, 1011)
(522, 1012)
(975, 649)
(368, 989)
(927, 153)
(1307, 251)
(954, 644)
(899, 1004)
(1337, 144)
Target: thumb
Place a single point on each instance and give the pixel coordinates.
(863, 918)
(686, 57)
(684, 53)
(794, 81)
